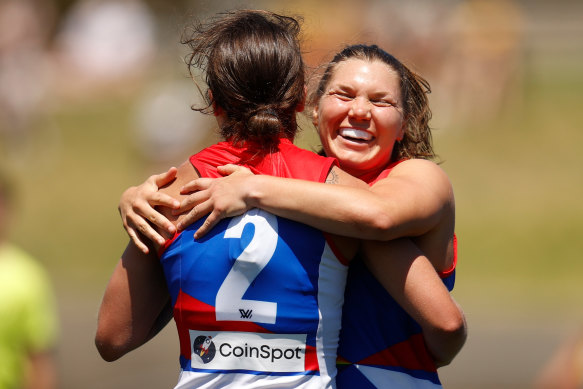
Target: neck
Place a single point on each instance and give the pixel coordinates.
(367, 175)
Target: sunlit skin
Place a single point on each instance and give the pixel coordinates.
(360, 115)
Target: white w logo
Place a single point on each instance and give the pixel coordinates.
(246, 313)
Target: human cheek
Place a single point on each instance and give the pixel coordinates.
(324, 121)
(333, 115)
(388, 122)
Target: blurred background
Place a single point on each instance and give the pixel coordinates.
(94, 97)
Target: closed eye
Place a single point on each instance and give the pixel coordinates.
(382, 102)
(342, 96)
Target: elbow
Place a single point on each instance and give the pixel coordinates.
(107, 353)
(381, 227)
(455, 327)
(453, 333)
(110, 346)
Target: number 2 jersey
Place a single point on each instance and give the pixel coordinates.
(257, 301)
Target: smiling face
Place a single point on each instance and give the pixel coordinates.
(360, 115)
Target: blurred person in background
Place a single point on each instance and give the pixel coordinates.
(482, 73)
(372, 114)
(167, 105)
(28, 319)
(105, 46)
(25, 71)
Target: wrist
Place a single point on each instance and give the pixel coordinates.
(254, 191)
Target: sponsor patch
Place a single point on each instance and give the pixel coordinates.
(281, 353)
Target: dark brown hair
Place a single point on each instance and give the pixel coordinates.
(254, 71)
(417, 140)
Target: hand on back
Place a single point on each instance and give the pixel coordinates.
(221, 197)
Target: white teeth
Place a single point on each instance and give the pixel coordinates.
(354, 133)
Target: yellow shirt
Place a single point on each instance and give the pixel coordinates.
(28, 320)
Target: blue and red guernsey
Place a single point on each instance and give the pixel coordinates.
(381, 346)
(258, 300)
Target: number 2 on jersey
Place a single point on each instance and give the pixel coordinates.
(229, 303)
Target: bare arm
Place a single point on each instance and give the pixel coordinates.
(42, 371)
(135, 305)
(410, 202)
(411, 280)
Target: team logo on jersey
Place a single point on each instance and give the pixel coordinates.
(204, 347)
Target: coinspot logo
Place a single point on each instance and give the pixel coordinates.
(234, 350)
(204, 347)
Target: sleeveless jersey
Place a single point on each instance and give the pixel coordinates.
(381, 346)
(258, 300)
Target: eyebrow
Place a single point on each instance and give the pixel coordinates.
(375, 95)
(349, 87)
(383, 94)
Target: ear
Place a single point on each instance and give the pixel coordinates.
(302, 104)
(315, 116)
(402, 132)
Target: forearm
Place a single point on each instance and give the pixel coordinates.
(445, 343)
(339, 209)
(412, 281)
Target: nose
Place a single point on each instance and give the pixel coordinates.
(360, 109)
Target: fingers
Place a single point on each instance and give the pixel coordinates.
(208, 224)
(159, 198)
(229, 169)
(136, 240)
(166, 177)
(226, 170)
(195, 213)
(162, 222)
(136, 208)
(143, 212)
(196, 184)
(191, 201)
(140, 225)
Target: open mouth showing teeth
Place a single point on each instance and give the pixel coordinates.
(355, 135)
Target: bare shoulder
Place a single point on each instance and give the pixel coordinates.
(418, 180)
(419, 166)
(186, 173)
(421, 172)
